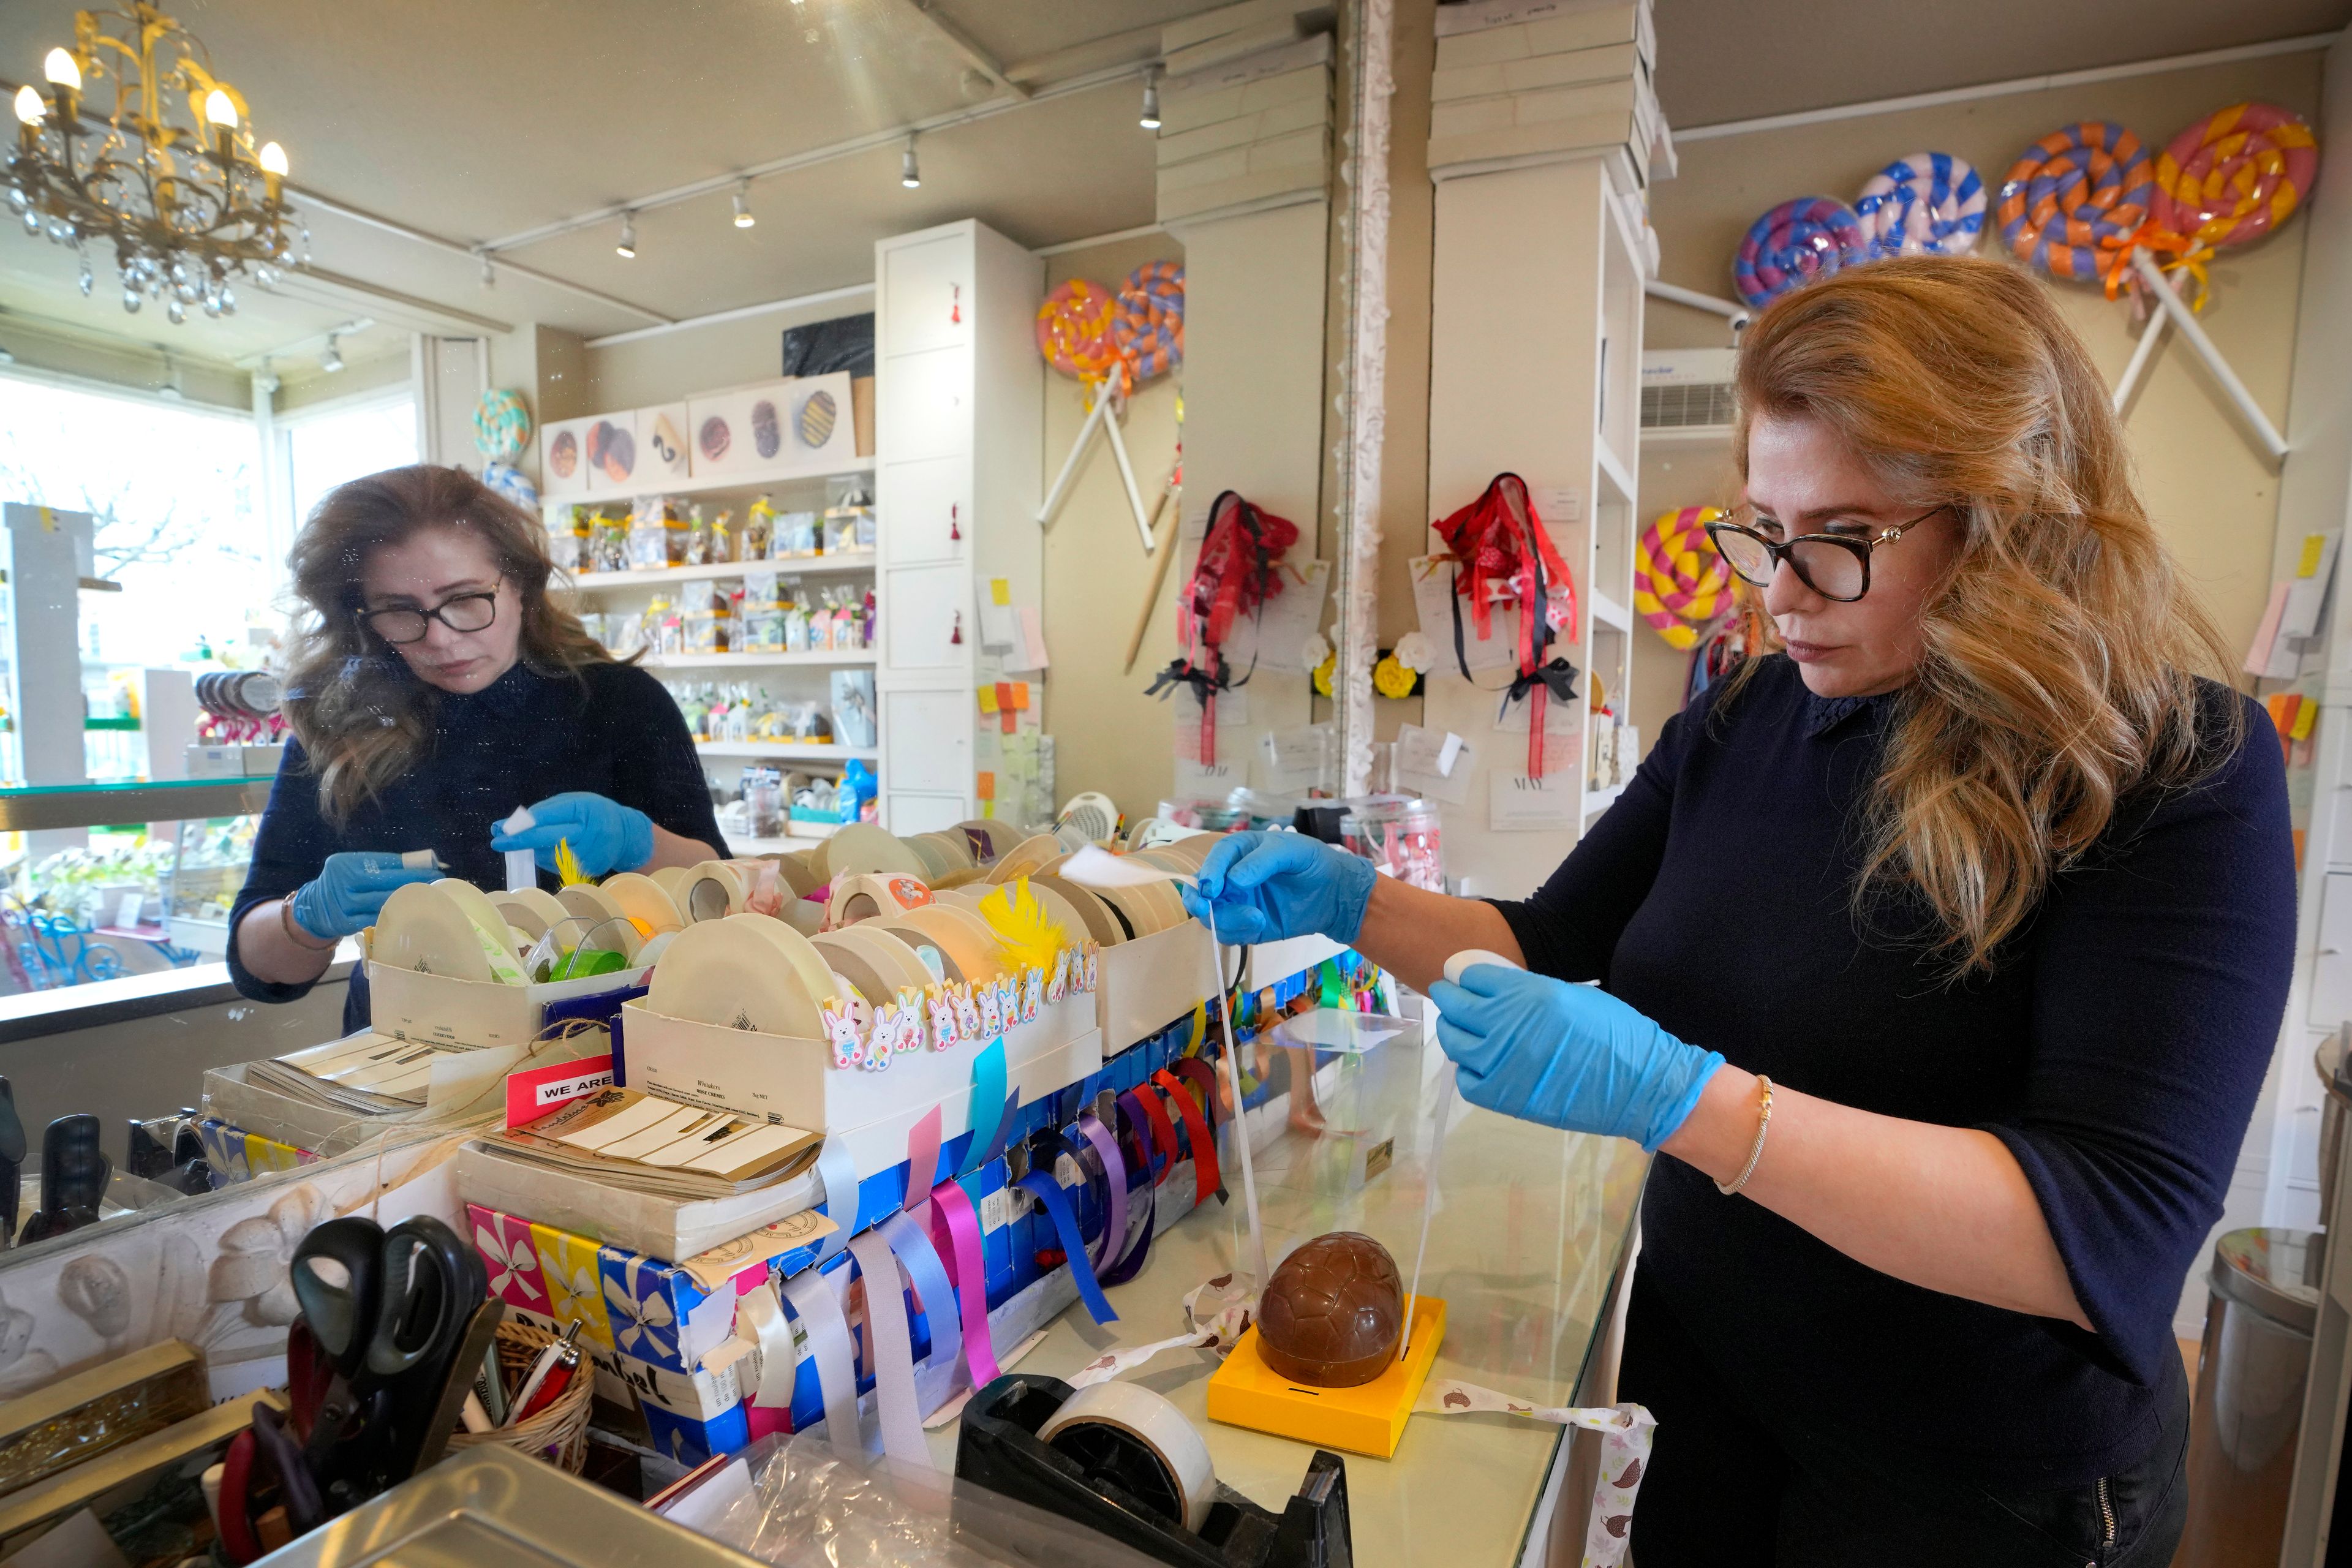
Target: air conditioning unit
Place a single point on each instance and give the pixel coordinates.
(1688, 391)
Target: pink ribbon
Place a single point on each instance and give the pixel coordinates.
(957, 1229)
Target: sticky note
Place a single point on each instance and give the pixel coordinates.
(984, 786)
(2313, 544)
(2306, 717)
(999, 591)
(988, 699)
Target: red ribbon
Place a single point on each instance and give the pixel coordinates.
(1498, 541)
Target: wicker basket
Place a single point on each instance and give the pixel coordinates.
(562, 1426)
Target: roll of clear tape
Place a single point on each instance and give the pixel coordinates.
(1147, 1420)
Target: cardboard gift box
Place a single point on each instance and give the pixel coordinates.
(447, 1011)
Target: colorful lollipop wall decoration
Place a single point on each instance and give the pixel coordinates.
(1109, 342)
(1795, 243)
(1681, 584)
(1923, 203)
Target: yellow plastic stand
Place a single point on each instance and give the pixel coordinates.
(1366, 1419)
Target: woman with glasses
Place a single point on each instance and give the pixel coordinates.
(434, 688)
(1942, 953)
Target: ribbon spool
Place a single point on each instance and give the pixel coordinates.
(1794, 243)
(2228, 178)
(2074, 202)
(1680, 582)
(1125, 1434)
(1147, 330)
(1925, 204)
(1073, 330)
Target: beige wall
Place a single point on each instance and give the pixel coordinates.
(1107, 736)
(2211, 493)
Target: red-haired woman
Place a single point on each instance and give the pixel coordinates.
(1982, 889)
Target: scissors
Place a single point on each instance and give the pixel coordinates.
(393, 1324)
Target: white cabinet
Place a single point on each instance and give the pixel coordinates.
(2331, 970)
(959, 436)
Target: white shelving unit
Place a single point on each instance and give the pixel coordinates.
(748, 662)
(1555, 397)
(662, 576)
(960, 432)
(722, 484)
(787, 750)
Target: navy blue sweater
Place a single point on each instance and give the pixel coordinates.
(615, 732)
(2116, 1049)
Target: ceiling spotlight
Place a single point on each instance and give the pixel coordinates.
(627, 249)
(332, 360)
(489, 273)
(910, 174)
(1151, 99)
(743, 218)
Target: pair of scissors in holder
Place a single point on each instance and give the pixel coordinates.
(393, 1324)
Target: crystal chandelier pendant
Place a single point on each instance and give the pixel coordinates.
(170, 174)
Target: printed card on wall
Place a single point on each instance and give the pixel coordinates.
(1274, 635)
(1210, 781)
(818, 434)
(1433, 599)
(719, 428)
(664, 447)
(1295, 761)
(610, 452)
(1562, 720)
(1436, 764)
(563, 465)
(1517, 803)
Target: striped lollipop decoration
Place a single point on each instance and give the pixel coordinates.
(2073, 204)
(1149, 327)
(1073, 330)
(2226, 179)
(1680, 582)
(1927, 204)
(1795, 243)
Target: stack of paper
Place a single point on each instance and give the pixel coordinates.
(364, 1073)
(625, 1138)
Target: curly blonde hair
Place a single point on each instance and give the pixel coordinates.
(362, 719)
(2060, 659)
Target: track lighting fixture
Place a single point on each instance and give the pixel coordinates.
(627, 249)
(332, 360)
(743, 218)
(1151, 98)
(910, 174)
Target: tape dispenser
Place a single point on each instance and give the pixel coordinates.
(1120, 1460)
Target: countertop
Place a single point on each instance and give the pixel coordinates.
(1532, 1229)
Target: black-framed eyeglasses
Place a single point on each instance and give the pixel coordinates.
(461, 613)
(1835, 566)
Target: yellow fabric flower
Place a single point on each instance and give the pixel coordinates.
(1392, 679)
(1323, 672)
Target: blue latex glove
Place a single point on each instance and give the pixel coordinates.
(605, 834)
(343, 898)
(1270, 886)
(1571, 1057)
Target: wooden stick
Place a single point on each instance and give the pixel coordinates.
(1163, 551)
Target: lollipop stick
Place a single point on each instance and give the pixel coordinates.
(1162, 553)
(1240, 1123)
(2183, 316)
(1052, 503)
(2141, 352)
(1127, 477)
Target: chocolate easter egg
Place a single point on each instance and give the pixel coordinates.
(767, 434)
(1333, 1312)
(715, 437)
(817, 416)
(563, 454)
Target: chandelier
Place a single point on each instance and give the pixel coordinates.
(170, 179)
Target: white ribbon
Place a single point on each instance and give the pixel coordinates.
(890, 1348)
(810, 1294)
(761, 1324)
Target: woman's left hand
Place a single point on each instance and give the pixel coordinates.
(605, 834)
(1571, 1057)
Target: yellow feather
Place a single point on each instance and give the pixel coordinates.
(1030, 936)
(567, 864)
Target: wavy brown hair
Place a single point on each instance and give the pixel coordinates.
(2061, 660)
(362, 719)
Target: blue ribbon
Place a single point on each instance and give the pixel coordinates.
(1040, 1186)
(838, 1168)
(990, 1113)
(924, 1271)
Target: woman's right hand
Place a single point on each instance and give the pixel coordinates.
(344, 897)
(1265, 886)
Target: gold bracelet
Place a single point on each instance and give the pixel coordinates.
(296, 934)
(1763, 1125)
